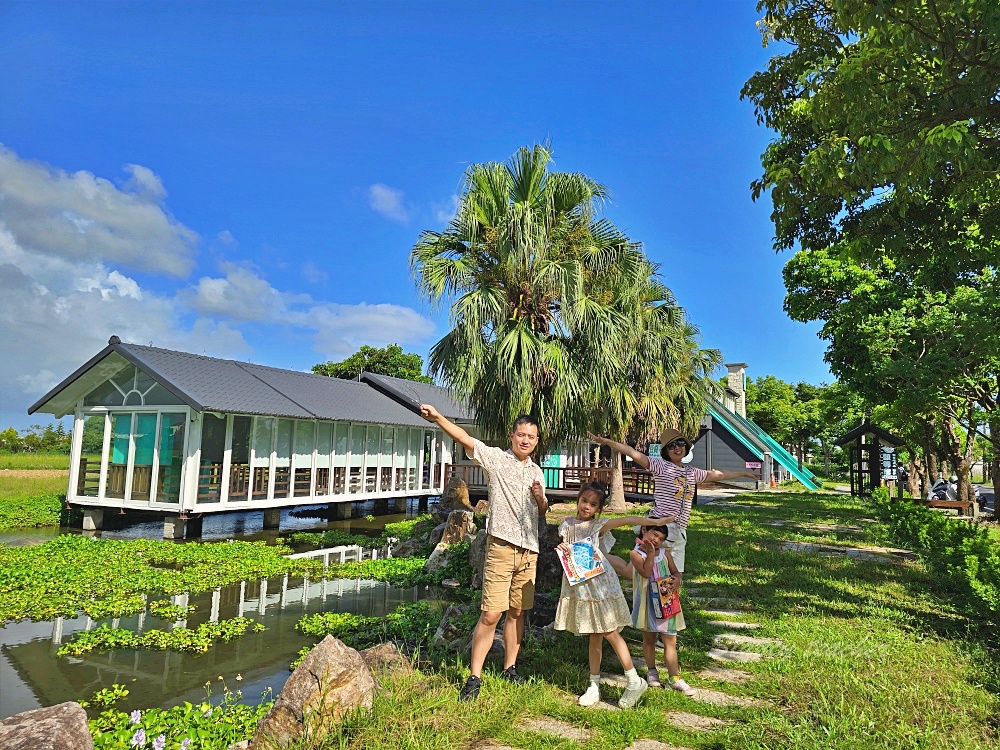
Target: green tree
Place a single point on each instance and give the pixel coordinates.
(885, 173)
(555, 312)
(391, 361)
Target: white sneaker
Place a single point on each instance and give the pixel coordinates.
(632, 693)
(591, 697)
(679, 684)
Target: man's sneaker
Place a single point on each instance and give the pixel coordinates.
(678, 684)
(510, 674)
(653, 678)
(632, 694)
(592, 696)
(471, 689)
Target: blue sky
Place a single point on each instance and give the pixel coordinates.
(247, 179)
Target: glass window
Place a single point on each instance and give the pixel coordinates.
(171, 453)
(88, 483)
(239, 459)
(340, 444)
(144, 440)
(283, 459)
(117, 458)
(324, 444)
(304, 434)
(400, 444)
(357, 458)
(213, 452)
(263, 437)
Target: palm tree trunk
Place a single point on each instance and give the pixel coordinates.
(616, 501)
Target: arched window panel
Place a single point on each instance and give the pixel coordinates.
(130, 387)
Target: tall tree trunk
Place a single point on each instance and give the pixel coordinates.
(930, 453)
(826, 456)
(914, 471)
(616, 501)
(961, 457)
(995, 461)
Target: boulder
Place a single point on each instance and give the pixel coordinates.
(409, 548)
(550, 572)
(437, 532)
(477, 552)
(460, 527)
(333, 680)
(59, 727)
(456, 495)
(448, 631)
(439, 558)
(386, 658)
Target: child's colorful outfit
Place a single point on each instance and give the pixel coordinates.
(643, 616)
(596, 605)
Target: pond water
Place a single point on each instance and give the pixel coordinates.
(32, 676)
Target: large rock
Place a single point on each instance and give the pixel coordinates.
(477, 553)
(460, 527)
(409, 548)
(385, 658)
(437, 532)
(456, 495)
(333, 680)
(60, 727)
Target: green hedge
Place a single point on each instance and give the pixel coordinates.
(961, 551)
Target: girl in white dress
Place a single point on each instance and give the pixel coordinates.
(596, 607)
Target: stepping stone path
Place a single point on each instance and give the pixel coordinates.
(694, 722)
(725, 612)
(866, 554)
(718, 698)
(818, 526)
(735, 625)
(724, 674)
(725, 655)
(562, 729)
(653, 745)
(715, 601)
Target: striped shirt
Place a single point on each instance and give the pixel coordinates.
(674, 489)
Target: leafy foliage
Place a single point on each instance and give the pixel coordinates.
(31, 511)
(201, 726)
(197, 640)
(107, 578)
(965, 554)
(390, 361)
(411, 623)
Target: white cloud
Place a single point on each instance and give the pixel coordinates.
(80, 217)
(313, 273)
(388, 202)
(445, 212)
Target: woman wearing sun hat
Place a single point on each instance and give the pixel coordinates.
(672, 495)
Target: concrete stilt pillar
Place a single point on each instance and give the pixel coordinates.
(272, 518)
(194, 525)
(173, 527)
(381, 507)
(93, 520)
(398, 505)
(422, 503)
(340, 511)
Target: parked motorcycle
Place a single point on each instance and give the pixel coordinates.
(947, 489)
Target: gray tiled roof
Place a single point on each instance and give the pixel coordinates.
(211, 384)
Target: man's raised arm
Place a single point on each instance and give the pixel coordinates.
(640, 458)
(431, 414)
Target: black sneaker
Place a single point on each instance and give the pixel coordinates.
(510, 674)
(471, 689)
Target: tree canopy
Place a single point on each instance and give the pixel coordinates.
(390, 360)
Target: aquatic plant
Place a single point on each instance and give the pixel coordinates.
(197, 640)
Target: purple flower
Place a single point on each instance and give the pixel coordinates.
(139, 738)
(134, 717)
(185, 743)
(160, 742)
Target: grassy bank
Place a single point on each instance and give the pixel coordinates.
(35, 461)
(873, 655)
(29, 502)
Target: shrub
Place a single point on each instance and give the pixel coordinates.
(963, 552)
(412, 623)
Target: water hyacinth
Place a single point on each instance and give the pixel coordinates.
(185, 743)
(139, 738)
(160, 742)
(135, 717)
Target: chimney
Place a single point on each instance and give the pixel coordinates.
(737, 382)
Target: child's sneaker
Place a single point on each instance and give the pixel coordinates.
(678, 684)
(632, 694)
(653, 678)
(591, 697)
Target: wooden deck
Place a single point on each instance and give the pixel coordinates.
(563, 482)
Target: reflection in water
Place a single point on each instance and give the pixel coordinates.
(33, 676)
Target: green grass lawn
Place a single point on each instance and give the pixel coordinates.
(29, 502)
(873, 655)
(34, 461)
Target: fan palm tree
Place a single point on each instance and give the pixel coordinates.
(530, 270)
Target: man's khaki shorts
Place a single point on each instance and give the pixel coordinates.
(508, 576)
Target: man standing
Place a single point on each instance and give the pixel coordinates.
(517, 502)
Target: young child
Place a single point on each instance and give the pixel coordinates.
(597, 607)
(645, 561)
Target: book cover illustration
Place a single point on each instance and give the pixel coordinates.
(583, 562)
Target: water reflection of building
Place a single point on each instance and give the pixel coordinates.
(187, 434)
(37, 677)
